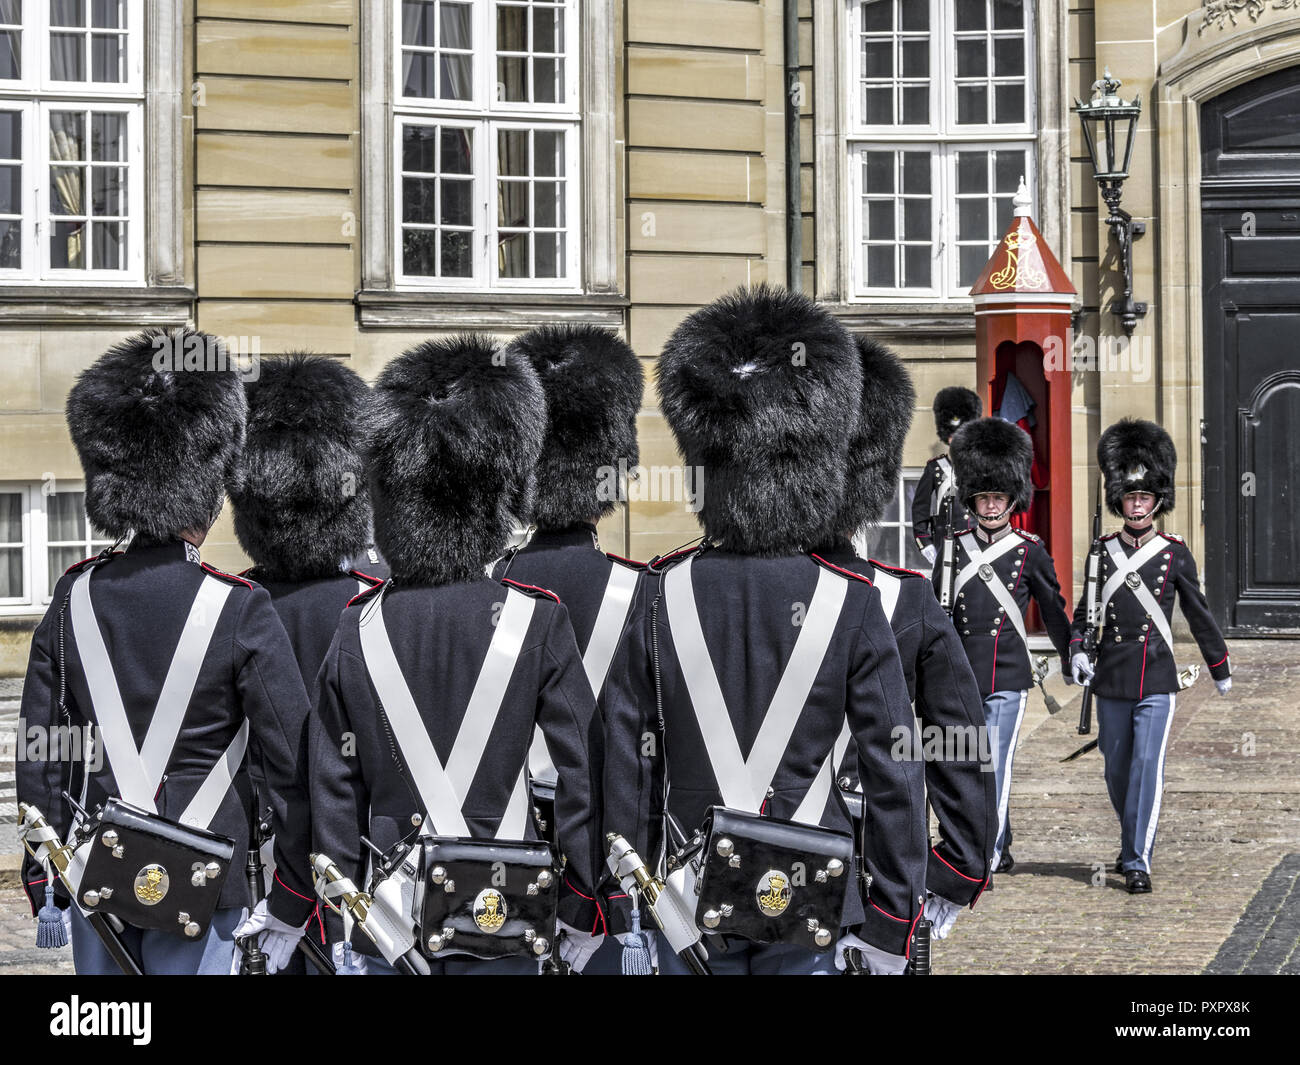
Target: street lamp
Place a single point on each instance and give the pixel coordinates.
(1109, 128)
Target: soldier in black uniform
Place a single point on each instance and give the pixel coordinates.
(157, 441)
(762, 390)
(302, 508)
(953, 407)
(593, 385)
(960, 782)
(997, 570)
(1137, 679)
(467, 666)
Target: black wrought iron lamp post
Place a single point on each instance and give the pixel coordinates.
(1109, 128)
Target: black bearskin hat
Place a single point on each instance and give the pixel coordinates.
(593, 384)
(954, 407)
(455, 427)
(301, 501)
(762, 389)
(1137, 456)
(990, 455)
(876, 448)
(158, 423)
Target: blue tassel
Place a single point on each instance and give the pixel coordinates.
(50, 931)
(636, 951)
(348, 968)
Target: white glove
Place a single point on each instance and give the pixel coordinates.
(879, 962)
(941, 914)
(929, 553)
(278, 939)
(358, 960)
(1081, 667)
(1224, 685)
(576, 948)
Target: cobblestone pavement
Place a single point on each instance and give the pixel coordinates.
(1230, 822)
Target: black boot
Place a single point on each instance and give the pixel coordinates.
(1006, 864)
(1137, 882)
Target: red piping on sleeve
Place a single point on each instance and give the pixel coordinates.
(980, 893)
(33, 883)
(900, 920)
(1219, 662)
(841, 569)
(911, 931)
(290, 890)
(972, 879)
(600, 915)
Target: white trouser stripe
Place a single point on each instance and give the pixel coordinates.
(1154, 816)
(1004, 796)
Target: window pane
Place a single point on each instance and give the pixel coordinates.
(108, 190)
(456, 151)
(457, 202)
(973, 219)
(916, 266)
(512, 204)
(68, 57)
(67, 12)
(67, 135)
(455, 26)
(11, 68)
(11, 12)
(108, 245)
(882, 544)
(548, 86)
(548, 30)
(420, 200)
(1008, 14)
(548, 205)
(1010, 103)
(972, 105)
(916, 59)
(67, 190)
(108, 14)
(61, 559)
(11, 573)
(420, 252)
(455, 73)
(11, 190)
(890, 513)
(11, 135)
(916, 220)
(916, 172)
(877, 16)
(1008, 56)
(880, 220)
(914, 15)
(548, 153)
(880, 267)
(11, 245)
(419, 71)
(512, 152)
(108, 57)
(417, 22)
(970, 14)
(11, 518)
(67, 251)
(878, 58)
(973, 260)
(108, 136)
(418, 148)
(512, 78)
(456, 254)
(972, 172)
(879, 172)
(916, 105)
(972, 59)
(65, 517)
(548, 253)
(512, 255)
(878, 106)
(512, 29)
(1008, 166)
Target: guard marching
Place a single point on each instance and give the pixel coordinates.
(986, 579)
(745, 657)
(172, 665)
(302, 514)
(953, 407)
(959, 782)
(1136, 677)
(433, 686)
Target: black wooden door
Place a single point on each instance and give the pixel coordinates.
(1250, 199)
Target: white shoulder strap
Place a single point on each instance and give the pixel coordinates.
(139, 773)
(742, 781)
(1131, 565)
(442, 788)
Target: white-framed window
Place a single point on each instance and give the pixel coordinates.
(71, 141)
(890, 540)
(42, 533)
(941, 128)
(486, 141)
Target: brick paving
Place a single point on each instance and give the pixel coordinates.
(1230, 827)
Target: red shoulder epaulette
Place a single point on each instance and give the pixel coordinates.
(1110, 536)
(223, 575)
(659, 562)
(899, 571)
(840, 569)
(630, 563)
(86, 561)
(1173, 538)
(1033, 538)
(361, 596)
(530, 589)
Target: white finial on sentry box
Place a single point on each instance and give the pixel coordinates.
(1022, 202)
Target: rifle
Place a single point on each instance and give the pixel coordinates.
(332, 884)
(948, 566)
(677, 925)
(920, 963)
(1093, 621)
(33, 826)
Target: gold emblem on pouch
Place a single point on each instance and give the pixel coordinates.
(490, 910)
(772, 893)
(151, 884)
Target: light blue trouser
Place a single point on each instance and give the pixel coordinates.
(1003, 712)
(753, 959)
(1132, 735)
(159, 953)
